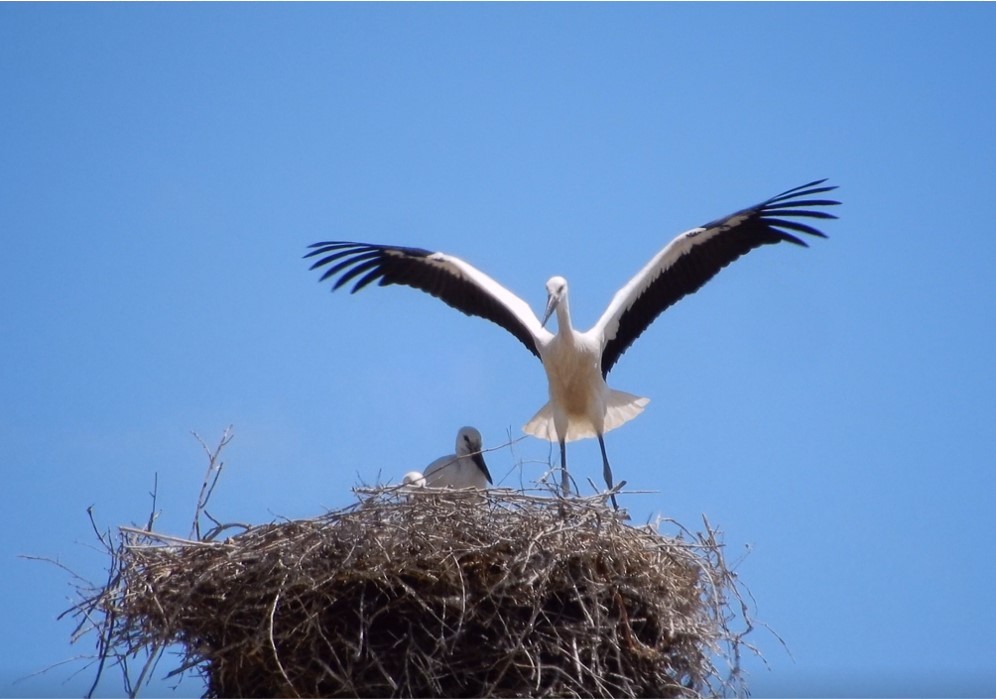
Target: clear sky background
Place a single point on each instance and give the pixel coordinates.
(831, 409)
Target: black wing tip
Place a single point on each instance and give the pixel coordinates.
(794, 239)
(344, 261)
(804, 190)
(814, 183)
(350, 259)
(781, 211)
(329, 245)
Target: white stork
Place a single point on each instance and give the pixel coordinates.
(581, 404)
(413, 479)
(465, 468)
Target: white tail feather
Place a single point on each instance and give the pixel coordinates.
(620, 408)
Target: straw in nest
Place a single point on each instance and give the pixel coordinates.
(422, 593)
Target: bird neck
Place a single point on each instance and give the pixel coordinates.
(564, 316)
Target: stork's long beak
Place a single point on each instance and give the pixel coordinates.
(478, 459)
(551, 305)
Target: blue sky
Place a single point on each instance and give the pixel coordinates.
(830, 409)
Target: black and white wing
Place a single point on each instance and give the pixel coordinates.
(448, 278)
(694, 257)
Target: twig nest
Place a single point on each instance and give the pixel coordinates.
(414, 592)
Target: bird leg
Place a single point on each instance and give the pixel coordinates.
(565, 485)
(607, 470)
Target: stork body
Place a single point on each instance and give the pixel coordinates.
(581, 404)
(463, 469)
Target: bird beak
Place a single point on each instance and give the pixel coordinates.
(478, 459)
(551, 306)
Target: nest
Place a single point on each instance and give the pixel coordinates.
(422, 593)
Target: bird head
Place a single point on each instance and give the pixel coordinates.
(414, 478)
(556, 292)
(469, 443)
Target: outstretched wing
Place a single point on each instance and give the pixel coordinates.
(450, 279)
(694, 257)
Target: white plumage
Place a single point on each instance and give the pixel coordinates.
(413, 479)
(581, 403)
(465, 468)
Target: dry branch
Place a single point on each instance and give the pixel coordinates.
(420, 593)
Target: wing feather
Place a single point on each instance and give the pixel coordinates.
(696, 256)
(450, 279)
